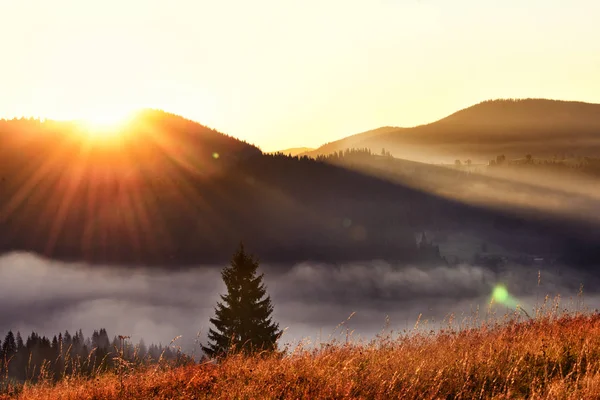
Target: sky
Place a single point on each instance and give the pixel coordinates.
(292, 73)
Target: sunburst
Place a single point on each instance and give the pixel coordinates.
(104, 125)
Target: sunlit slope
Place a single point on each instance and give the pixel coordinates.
(173, 192)
(474, 357)
(294, 151)
(543, 128)
(151, 139)
(553, 188)
(350, 142)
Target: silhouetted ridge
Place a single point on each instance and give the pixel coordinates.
(349, 142)
(172, 192)
(521, 113)
(544, 128)
(294, 151)
(172, 129)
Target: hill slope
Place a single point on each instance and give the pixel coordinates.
(294, 151)
(546, 358)
(540, 127)
(354, 141)
(173, 192)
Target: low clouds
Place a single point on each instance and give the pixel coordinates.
(309, 299)
(380, 281)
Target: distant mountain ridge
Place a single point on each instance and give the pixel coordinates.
(512, 127)
(172, 192)
(352, 141)
(294, 151)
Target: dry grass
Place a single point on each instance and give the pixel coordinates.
(551, 356)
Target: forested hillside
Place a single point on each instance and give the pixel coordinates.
(546, 128)
(168, 191)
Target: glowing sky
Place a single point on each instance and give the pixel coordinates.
(293, 73)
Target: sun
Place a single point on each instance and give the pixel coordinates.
(108, 120)
(102, 125)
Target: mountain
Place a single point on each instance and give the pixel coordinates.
(351, 142)
(167, 191)
(543, 128)
(294, 151)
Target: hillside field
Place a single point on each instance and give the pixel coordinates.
(551, 356)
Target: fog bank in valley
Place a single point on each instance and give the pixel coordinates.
(310, 299)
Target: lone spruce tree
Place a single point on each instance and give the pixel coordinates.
(243, 320)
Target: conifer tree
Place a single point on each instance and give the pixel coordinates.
(242, 319)
(9, 347)
(20, 345)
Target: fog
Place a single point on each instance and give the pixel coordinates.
(310, 299)
(564, 192)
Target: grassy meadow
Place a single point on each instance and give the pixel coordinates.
(552, 355)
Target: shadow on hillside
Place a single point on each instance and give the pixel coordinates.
(172, 192)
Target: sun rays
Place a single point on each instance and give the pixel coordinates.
(105, 125)
(75, 190)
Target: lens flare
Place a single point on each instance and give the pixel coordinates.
(500, 294)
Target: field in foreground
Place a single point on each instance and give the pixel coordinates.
(554, 357)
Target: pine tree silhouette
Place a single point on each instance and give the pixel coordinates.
(243, 320)
(9, 347)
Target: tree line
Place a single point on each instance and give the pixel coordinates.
(588, 165)
(66, 354)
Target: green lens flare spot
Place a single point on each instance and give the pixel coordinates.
(500, 294)
(215, 155)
